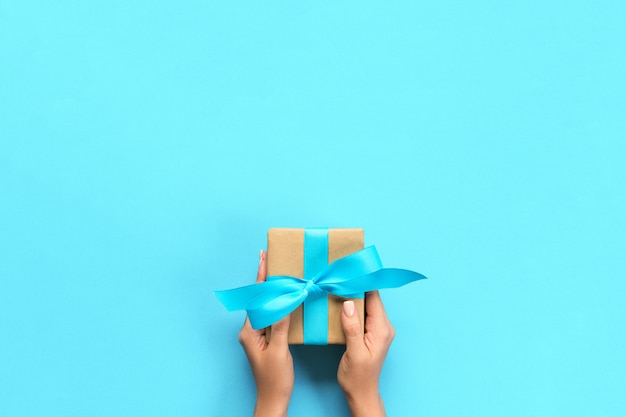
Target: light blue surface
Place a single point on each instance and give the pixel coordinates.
(146, 147)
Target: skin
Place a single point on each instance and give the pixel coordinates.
(359, 369)
(360, 366)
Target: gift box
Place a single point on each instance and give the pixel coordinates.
(302, 253)
(310, 273)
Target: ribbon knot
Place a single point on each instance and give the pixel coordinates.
(310, 288)
(350, 276)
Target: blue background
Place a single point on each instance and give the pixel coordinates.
(146, 147)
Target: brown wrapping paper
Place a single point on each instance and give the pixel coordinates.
(285, 256)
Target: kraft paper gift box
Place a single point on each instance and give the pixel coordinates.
(305, 266)
(286, 256)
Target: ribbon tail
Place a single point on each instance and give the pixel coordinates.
(383, 278)
(239, 298)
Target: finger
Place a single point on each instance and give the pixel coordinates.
(262, 272)
(374, 305)
(351, 324)
(246, 325)
(247, 335)
(280, 332)
(244, 333)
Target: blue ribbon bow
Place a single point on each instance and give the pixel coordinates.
(350, 277)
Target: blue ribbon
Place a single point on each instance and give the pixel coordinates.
(350, 276)
(315, 308)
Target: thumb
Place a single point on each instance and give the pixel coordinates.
(351, 324)
(280, 332)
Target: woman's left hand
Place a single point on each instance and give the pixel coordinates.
(271, 363)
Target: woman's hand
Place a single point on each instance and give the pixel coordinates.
(272, 365)
(360, 366)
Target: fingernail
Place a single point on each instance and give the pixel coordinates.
(261, 256)
(348, 308)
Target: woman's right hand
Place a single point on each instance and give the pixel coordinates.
(360, 366)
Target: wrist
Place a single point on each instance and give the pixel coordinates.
(270, 407)
(365, 404)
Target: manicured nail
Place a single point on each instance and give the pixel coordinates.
(348, 308)
(261, 254)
